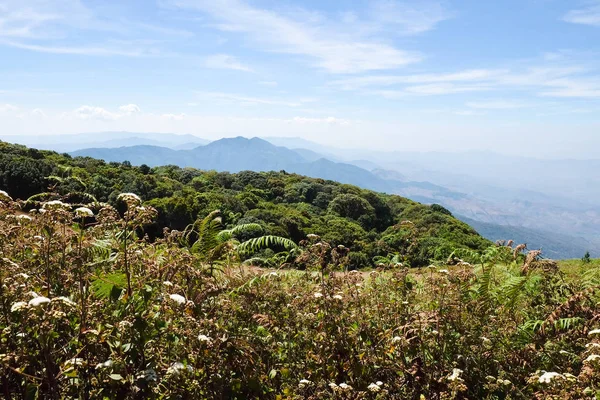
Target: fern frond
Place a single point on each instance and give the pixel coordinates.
(264, 242)
(109, 286)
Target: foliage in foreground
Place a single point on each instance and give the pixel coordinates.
(90, 308)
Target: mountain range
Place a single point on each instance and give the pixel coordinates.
(498, 213)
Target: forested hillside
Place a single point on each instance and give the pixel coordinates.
(376, 227)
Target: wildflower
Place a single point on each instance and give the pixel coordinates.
(443, 271)
(337, 297)
(547, 377)
(21, 335)
(373, 387)
(38, 301)
(312, 236)
(333, 386)
(318, 295)
(33, 294)
(24, 217)
(130, 198)
(486, 341)
(167, 283)
(405, 303)
(105, 364)
(396, 339)
(64, 300)
(125, 324)
(18, 306)
(148, 375)
(177, 298)
(75, 361)
(592, 345)
(455, 376)
(594, 332)
(23, 275)
(273, 273)
(379, 383)
(204, 338)
(345, 386)
(177, 367)
(84, 212)
(591, 358)
(5, 197)
(55, 205)
(304, 382)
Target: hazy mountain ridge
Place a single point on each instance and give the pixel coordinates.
(558, 221)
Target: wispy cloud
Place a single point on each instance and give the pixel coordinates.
(225, 61)
(562, 80)
(334, 46)
(252, 100)
(326, 120)
(93, 112)
(498, 104)
(63, 27)
(589, 15)
(82, 51)
(267, 83)
(409, 17)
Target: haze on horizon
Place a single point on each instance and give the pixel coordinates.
(514, 77)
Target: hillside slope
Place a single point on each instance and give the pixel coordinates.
(371, 224)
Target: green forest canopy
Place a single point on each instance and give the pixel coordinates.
(371, 224)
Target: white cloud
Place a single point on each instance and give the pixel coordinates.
(252, 100)
(88, 112)
(8, 108)
(498, 104)
(173, 117)
(129, 109)
(443, 88)
(327, 120)
(267, 83)
(474, 75)
(547, 80)
(225, 61)
(92, 112)
(409, 17)
(587, 16)
(336, 48)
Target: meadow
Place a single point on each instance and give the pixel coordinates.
(90, 307)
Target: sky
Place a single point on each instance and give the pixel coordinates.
(517, 77)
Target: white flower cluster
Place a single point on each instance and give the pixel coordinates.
(178, 367)
(548, 377)
(375, 387)
(84, 212)
(4, 197)
(55, 205)
(304, 383)
(204, 338)
(455, 375)
(131, 199)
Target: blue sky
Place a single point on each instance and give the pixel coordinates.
(518, 77)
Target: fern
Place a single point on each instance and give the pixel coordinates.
(109, 286)
(228, 234)
(513, 288)
(264, 242)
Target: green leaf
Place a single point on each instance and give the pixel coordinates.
(109, 286)
(116, 377)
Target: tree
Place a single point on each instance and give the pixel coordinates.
(586, 258)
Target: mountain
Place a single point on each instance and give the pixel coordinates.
(502, 214)
(553, 244)
(69, 143)
(281, 203)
